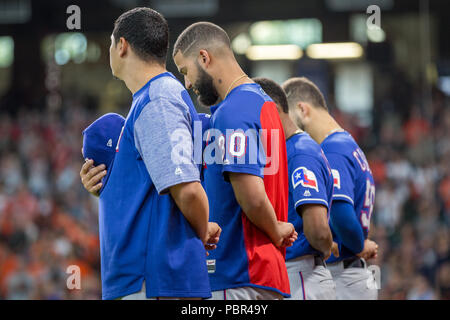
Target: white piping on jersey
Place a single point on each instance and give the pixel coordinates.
(312, 199)
(343, 196)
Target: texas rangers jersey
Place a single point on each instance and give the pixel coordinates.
(310, 181)
(353, 181)
(206, 124)
(246, 136)
(143, 234)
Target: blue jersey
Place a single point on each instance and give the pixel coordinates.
(206, 124)
(246, 136)
(143, 234)
(353, 182)
(310, 181)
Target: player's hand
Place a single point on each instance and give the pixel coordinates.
(213, 236)
(91, 177)
(370, 250)
(287, 234)
(335, 249)
(326, 255)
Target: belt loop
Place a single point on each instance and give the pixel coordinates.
(318, 261)
(364, 263)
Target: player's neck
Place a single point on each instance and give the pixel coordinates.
(322, 127)
(289, 127)
(230, 77)
(139, 73)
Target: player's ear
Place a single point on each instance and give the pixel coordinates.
(303, 107)
(204, 58)
(123, 47)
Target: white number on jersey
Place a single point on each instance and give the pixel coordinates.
(237, 144)
(369, 200)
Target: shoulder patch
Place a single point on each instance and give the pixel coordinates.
(305, 177)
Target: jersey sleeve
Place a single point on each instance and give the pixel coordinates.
(242, 149)
(345, 224)
(163, 138)
(343, 171)
(307, 181)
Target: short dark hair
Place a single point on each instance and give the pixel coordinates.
(303, 89)
(146, 31)
(274, 91)
(200, 34)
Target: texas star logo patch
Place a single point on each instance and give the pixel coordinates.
(305, 177)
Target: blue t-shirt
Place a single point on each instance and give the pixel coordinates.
(246, 136)
(310, 181)
(143, 234)
(353, 182)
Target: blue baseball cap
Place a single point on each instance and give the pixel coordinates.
(101, 137)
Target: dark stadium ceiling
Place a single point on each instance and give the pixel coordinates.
(36, 18)
(50, 15)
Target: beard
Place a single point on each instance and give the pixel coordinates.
(207, 93)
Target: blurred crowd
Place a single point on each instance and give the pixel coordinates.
(408, 150)
(48, 222)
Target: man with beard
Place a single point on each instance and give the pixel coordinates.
(153, 213)
(246, 178)
(354, 190)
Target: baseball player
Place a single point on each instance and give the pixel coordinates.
(354, 190)
(153, 213)
(246, 180)
(310, 196)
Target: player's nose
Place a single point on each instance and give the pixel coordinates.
(187, 83)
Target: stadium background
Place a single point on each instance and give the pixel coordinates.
(390, 91)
